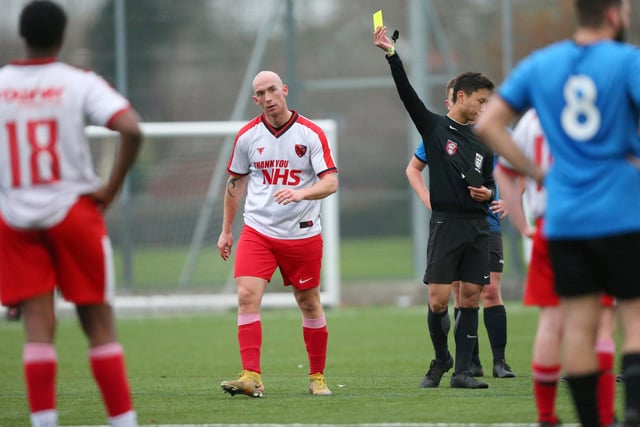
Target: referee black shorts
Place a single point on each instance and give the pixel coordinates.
(458, 249)
(496, 255)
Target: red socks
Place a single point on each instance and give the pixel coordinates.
(545, 387)
(108, 368)
(545, 380)
(250, 340)
(40, 363)
(316, 336)
(606, 382)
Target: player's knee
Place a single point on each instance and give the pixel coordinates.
(308, 300)
(438, 306)
(491, 298)
(248, 297)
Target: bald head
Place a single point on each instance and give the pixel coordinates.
(265, 79)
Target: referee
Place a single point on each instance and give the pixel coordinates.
(461, 174)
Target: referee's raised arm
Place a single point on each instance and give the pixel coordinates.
(420, 115)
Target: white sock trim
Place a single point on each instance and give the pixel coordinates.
(46, 418)
(128, 419)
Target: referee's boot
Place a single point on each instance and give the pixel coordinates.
(503, 370)
(437, 369)
(476, 369)
(465, 379)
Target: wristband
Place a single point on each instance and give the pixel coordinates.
(394, 38)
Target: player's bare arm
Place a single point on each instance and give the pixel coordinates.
(416, 180)
(236, 186)
(499, 208)
(511, 189)
(327, 185)
(127, 124)
(492, 128)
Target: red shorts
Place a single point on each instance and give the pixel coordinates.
(540, 289)
(299, 260)
(74, 255)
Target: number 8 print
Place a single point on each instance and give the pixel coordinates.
(580, 118)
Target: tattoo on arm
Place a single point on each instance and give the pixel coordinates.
(232, 184)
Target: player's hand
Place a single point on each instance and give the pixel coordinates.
(479, 194)
(225, 243)
(538, 175)
(284, 196)
(529, 232)
(103, 197)
(498, 208)
(381, 39)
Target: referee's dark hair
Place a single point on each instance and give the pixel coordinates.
(470, 82)
(42, 24)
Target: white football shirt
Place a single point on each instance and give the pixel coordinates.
(530, 138)
(295, 155)
(45, 161)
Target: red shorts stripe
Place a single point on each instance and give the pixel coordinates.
(539, 289)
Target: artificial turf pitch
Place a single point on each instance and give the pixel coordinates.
(377, 357)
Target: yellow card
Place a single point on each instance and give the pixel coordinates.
(377, 20)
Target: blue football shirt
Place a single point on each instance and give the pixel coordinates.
(588, 100)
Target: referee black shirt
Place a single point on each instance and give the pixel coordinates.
(455, 154)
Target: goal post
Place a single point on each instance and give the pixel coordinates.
(172, 153)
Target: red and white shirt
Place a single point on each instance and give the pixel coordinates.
(295, 155)
(530, 138)
(45, 161)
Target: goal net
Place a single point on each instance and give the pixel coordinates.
(165, 224)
